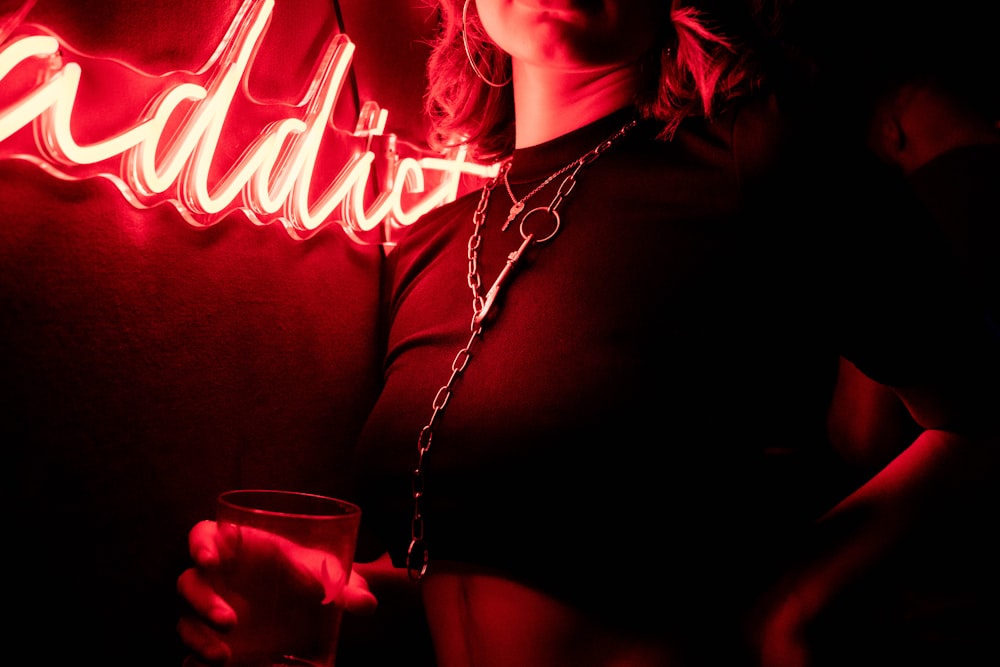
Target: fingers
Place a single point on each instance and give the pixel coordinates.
(208, 649)
(211, 543)
(780, 635)
(194, 586)
(214, 544)
(309, 566)
(202, 543)
(357, 598)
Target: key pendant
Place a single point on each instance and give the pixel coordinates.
(514, 210)
(491, 295)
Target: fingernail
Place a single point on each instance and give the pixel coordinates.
(224, 616)
(205, 556)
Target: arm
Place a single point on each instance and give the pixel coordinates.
(894, 520)
(867, 422)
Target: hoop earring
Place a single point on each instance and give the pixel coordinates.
(468, 51)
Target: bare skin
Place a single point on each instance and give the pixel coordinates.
(571, 62)
(920, 121)
(479, 619)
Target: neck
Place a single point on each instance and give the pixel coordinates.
(550, 104)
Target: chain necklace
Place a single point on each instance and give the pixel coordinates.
(518, 204)
(417, 557)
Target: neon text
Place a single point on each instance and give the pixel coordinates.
(171, 153)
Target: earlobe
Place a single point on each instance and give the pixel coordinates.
(888, 139)
(897, 136)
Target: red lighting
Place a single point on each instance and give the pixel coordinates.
(203, 143)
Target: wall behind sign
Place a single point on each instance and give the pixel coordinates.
(148, 364)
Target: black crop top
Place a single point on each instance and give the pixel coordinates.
(653, 386)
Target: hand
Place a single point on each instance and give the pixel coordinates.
(213, 548)
(778, 634)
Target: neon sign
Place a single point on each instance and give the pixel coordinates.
(173, 151)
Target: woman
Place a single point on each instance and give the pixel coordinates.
(601, 435)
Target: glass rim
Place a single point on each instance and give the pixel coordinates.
(231, 499)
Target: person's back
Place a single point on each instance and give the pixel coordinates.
(946, 141)
(933, 117)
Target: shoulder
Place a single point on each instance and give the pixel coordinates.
(438, 223)
(435, 234)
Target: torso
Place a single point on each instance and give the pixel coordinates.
(652, 394)
(480, 619)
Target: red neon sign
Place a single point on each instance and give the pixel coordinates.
(175, 151)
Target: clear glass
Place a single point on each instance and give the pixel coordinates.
(292, 558)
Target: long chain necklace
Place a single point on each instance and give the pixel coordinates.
(417, 557)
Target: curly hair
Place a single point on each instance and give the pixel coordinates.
(708, 53)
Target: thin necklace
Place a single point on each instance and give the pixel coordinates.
(417, 556)
(518, 205)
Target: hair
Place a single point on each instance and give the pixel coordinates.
(708, 54)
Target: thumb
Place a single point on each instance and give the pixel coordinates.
(356, 596)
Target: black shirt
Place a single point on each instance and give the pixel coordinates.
(653, 384)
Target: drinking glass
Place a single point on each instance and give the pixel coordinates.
(292, 557)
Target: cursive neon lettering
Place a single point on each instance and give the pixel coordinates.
(170, 153)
